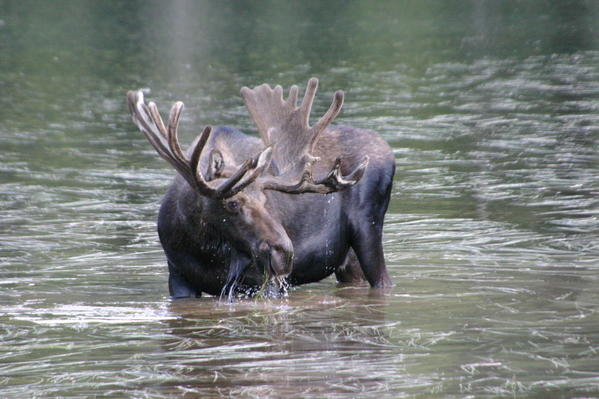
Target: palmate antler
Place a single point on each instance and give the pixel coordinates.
(165, 141)
(285, 126)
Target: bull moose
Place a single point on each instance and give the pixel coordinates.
(295, 205)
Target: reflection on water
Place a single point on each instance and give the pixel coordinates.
(282, 348)
(491, 236)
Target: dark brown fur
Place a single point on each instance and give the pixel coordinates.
(302, 202)
(334, 233)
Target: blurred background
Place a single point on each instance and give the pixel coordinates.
(492, 236)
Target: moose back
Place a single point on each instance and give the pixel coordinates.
(293, 206)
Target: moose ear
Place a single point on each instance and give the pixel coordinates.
(216, 165)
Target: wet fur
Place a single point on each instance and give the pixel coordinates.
(334, 233)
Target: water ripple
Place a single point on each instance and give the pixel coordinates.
(491, 238)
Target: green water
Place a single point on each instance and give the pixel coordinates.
(492, 235)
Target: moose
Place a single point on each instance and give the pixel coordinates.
(291, 207)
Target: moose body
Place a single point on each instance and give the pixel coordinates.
(329, 222)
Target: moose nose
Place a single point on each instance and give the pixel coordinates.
(278, 256)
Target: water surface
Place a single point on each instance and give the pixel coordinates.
(492, 235)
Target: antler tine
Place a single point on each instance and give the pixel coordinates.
(292, 99)
(157, 118)
(334, 181)
(171, 132)
(165, 141)
(141, 115)
(196, 153)
(308, 99)
(173, 155)
(279, 92)
(331, 114)
(259, 163)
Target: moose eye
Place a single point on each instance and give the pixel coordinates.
(232, 206)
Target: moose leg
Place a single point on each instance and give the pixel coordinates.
(368, 245)
(350, 271)
(178, 286)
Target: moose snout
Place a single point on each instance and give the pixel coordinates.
(278, 257)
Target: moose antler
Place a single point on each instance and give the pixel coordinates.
(166, 143)
(285, 126)
(334, 181)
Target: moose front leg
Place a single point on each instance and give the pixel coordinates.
(178, 286)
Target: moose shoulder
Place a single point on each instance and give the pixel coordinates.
(297, 204)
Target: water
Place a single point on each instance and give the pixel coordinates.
(491, 236)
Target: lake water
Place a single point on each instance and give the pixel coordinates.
(492, 235)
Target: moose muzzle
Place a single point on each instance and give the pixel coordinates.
(276, 259)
